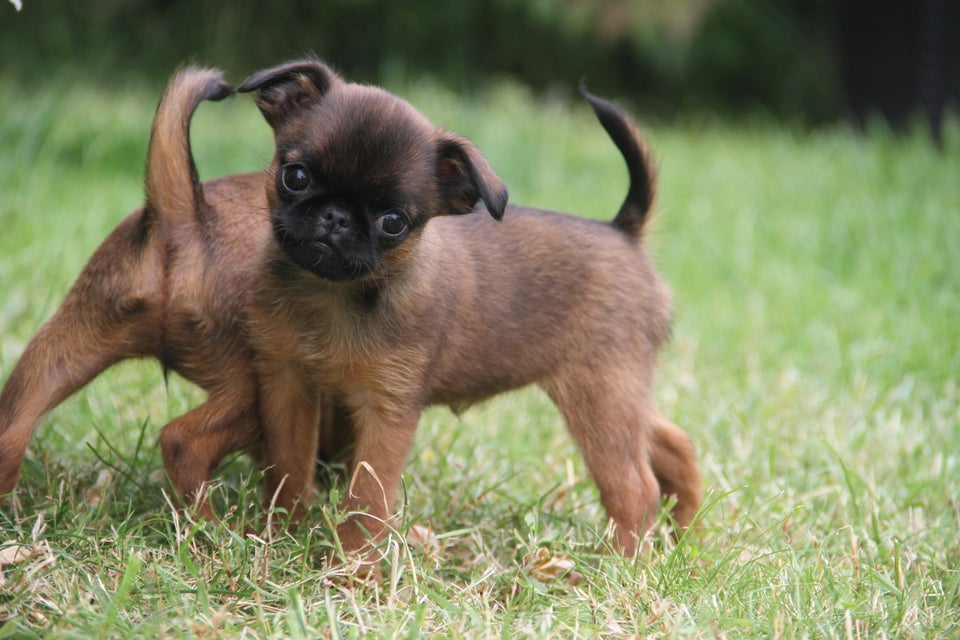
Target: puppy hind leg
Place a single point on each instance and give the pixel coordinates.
(609, 432)
(674, 461)
(195, 443)
(72, 348)
(337, 439)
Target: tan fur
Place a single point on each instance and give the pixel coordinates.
(172, 282)
(466, 307)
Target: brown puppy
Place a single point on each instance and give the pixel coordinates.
(373, 295)
(172, 281)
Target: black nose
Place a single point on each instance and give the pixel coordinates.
(333, 217)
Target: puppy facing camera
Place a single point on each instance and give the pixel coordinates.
(396, 276)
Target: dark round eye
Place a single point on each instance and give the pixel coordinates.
(295, 177)
(392, 224)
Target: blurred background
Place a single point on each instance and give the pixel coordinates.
(812, 62)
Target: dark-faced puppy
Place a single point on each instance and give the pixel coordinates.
(377, 293)
(172, 281)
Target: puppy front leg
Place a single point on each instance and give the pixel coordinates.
(383, 442)
(290, 419)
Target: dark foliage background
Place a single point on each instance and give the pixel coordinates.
(812, 61)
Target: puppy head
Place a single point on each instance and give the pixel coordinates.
(358, 171)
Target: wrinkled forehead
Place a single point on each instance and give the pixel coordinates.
(362, 136)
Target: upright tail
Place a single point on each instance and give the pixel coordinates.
(114, 310)
(172, 184)
(635, 210)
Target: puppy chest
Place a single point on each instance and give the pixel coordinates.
(363, 372)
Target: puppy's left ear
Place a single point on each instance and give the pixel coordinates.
(290, 88)
(465, 176)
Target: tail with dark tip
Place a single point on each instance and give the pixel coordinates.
(635, 210)
(172, 184)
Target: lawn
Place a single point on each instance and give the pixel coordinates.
(815, 362)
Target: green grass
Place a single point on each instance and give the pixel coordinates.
(815, 362)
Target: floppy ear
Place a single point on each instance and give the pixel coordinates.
(465, 176)
(289, 88)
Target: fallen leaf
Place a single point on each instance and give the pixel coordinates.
(16, 553)
(549, 567)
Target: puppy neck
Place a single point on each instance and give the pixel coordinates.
(398, 288)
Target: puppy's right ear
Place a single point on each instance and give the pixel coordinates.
(290, 88)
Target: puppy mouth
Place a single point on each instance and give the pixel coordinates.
(306, 253)
(320, 258)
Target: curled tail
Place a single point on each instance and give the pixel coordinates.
(172, 184)
(635, 210)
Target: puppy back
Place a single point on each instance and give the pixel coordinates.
(635, 210)
(173, 191)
